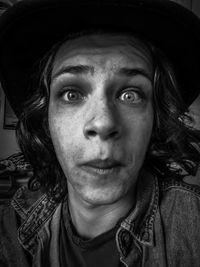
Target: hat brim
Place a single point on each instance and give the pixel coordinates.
(30, 28)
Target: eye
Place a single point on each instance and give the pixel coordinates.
(72, 96)
(130, 97)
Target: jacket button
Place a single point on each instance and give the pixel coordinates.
(126, 240)
(146, 237)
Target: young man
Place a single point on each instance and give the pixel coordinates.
(106, 129)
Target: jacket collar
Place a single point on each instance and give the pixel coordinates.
(141, 220)
(36, 208)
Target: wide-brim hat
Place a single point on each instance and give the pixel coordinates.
(31, 27)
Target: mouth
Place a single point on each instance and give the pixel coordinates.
(102, 167)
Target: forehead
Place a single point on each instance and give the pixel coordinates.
(103, 49)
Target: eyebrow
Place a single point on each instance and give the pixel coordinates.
(85, 69)
(134, 72)
(77, 69)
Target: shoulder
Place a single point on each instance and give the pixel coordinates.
(8, 222)
(180, 212)
(17, 209)
(25, 200)
(11, 252)
(7, 216)
(179, 194)
(8, 229)
(178, 197)
(12, 216)
(6, 212)
(178, 219)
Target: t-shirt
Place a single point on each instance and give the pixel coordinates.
(100, 251)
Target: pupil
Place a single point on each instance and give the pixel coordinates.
(72, 95)
(128, 96)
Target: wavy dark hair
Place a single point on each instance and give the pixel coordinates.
(174, 149)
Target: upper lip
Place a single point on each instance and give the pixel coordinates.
(103, 164)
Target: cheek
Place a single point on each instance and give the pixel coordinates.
(63, 125)
(140, 131)
(64, 134)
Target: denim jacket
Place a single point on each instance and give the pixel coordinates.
(162, 230)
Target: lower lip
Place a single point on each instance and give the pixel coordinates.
(100, 171)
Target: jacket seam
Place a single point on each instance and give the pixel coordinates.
(193, 193)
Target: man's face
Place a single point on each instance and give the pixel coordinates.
(101, 115)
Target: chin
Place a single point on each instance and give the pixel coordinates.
(102, 196)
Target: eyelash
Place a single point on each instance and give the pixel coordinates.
(72, 91)
(134, 90)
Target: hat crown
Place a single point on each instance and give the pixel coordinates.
(31, 27)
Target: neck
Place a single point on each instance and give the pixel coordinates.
(93, 220)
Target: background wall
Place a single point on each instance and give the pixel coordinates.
(8, 144)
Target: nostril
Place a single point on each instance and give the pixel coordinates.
(113, 134)
(103, 132)
(91, 133)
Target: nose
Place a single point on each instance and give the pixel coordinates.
(103, 122)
